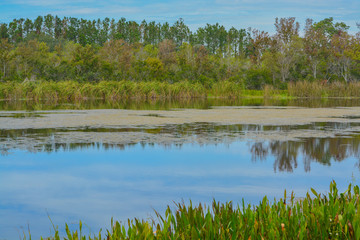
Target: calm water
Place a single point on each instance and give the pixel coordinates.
(168, 104)
(94, 181)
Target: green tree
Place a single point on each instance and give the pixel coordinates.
(180, 32)
(28, 27)
(4, 31)
(5, 56)
(287, 45)
(49, 25)
(38, 24)
(315, 47)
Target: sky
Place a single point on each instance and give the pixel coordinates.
(258, 14)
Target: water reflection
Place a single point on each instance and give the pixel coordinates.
(320, 150)
(340, 141)
(159, 104)
(100, 183)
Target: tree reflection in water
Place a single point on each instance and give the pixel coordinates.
(287, 153)
(320, 150)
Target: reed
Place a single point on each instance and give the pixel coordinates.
(72, 90)
(122, 90)
(227, 89)
(317, 216)
(322, 90)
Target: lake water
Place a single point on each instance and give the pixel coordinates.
(44, 174)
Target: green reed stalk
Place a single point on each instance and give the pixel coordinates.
(317, 216)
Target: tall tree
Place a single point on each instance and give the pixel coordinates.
(259, 43)
(38, 24)
(4, 33)
(286, 42)
(315, 47)
(49, 25)
(180, 32)
(58, 27)
(5, 56)
(28, 27)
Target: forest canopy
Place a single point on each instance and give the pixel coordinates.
(53, 49)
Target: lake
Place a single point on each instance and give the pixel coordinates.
(97, 160)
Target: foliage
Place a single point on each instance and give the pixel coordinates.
(72, 90)
(322, 216)
(49, 48)
(323, 89)
(145, 90)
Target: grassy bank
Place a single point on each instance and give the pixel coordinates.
(321, 90)
(317, 216)
(116, 90)
(72, 90)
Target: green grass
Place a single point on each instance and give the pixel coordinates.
(71, 90)
(316, 216)
(116, 90)
(321, 90)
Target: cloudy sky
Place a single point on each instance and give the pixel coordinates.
(238, 13)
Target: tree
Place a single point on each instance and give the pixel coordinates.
(28, 27)
(167, 52)
(30, 58)
(287, 45)
(315, 47)
(341, 50)
(259, 43)
(38, 24)
(329, 28)
(49, 25)
(133, 32)
(58, 27)
(85, 63)
(118, 54)
(166, 31)
(103, 30)
(286, 29)
(72, 29)
(180, 32)
(5, 56)
(4, 31)
(154, 68)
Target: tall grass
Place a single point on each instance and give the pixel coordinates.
(227, 89)
(71, 90)
(319, 89)
(317, 216)
(115, 90)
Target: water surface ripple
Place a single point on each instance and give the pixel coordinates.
(94, 172)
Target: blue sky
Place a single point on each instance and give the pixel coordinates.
(238, 13)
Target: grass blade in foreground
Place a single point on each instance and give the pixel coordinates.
(323, 216)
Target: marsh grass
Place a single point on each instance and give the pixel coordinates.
(321, 90)
(71, 90)
(227, 89)
(317, 216)
(123, 90)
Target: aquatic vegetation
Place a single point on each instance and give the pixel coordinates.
(317, 216)
(115, 90)
(320, 89)
(227, 89)
(112, 90)
(148, 90)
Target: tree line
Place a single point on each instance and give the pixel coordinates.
(51, 48)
